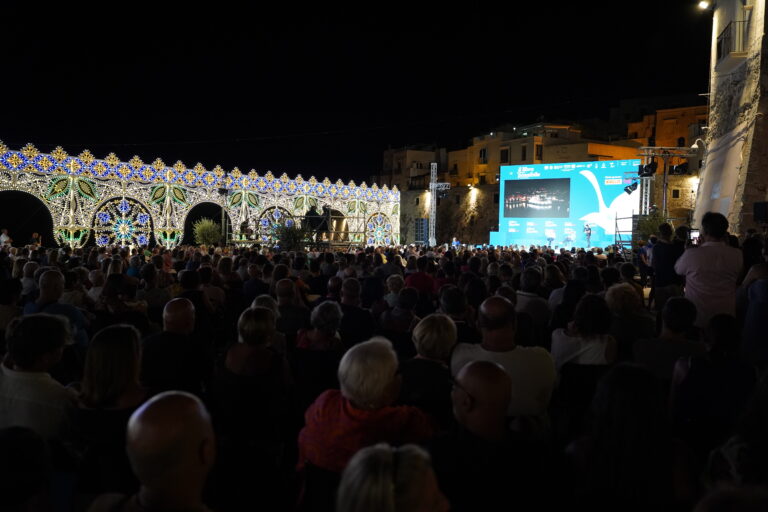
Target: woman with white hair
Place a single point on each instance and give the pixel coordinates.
(382, 478)
(340, 422)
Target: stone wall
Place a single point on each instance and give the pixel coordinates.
(468, 214)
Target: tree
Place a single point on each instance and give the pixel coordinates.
(206, 231)
(293, 238)
(648, 225)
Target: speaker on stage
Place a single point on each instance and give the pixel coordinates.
(760, 212)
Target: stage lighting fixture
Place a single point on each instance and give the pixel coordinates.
(704, 5)
(648, 169)
(631, 188)
(679, 169)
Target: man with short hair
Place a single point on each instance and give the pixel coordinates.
(29, 396)
(420, 279)
(665, 254)
(711, 270)
(51, 289)
(174, 358)
(480, 464)
(528, 299)
(357, 324)
(660, 354)
(292, 316)
(172, 448)
(531, 369)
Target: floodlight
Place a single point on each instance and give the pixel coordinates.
(648, 169)
(703, 5)
(679, 169)
(631, 188)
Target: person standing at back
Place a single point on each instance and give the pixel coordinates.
(664, 256)
(711, 270)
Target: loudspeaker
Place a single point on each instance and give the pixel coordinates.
(760, 212)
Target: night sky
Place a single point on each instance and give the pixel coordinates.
(325, 93)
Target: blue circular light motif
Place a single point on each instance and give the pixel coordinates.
(264, 222)
(276, 214)
(143, 218)
(102, 240)
(103, 217)
(123, 229)
(124, 207)
(289, 223)
(142, 240)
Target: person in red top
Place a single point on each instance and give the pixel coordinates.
(420, 280)
(339, 423)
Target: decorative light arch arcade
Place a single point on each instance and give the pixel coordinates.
(128, 203)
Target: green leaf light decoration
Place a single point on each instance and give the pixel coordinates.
(57, 188)
(158, 194)
(178, 195)
(236, 199)
(87, 189)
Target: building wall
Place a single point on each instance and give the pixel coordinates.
(735, 172)
(469, 214)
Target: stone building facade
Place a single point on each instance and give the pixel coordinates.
(735, 172)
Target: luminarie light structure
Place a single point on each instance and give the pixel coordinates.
(129, 203)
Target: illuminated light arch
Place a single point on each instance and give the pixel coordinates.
(75, 188)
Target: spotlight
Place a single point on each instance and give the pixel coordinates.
(648, 169)
(679, 169)
(631, 188)
(703, 5)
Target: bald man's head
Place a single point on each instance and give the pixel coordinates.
(170, 441)
(481, 395)
(497, 313)
(179, 316)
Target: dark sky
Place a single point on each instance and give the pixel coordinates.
(325, 93)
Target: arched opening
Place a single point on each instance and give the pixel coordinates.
(203, 210)
(23, 214)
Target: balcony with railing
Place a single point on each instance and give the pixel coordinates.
(732, 43)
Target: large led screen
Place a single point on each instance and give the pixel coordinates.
(561, 204)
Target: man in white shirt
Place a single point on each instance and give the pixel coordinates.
(29, 396)
(531, 368)
(711, 270)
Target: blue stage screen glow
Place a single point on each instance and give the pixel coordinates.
(551, 204)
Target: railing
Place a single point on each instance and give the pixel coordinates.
(733, 39)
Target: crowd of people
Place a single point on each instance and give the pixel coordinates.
(386, 379)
